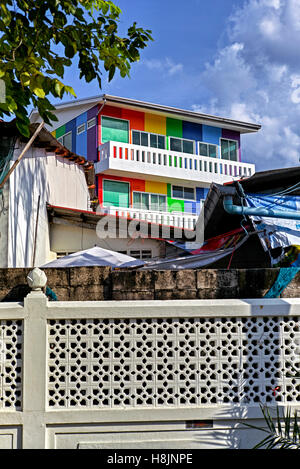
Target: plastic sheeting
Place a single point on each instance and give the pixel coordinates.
(285, 277)
(194, 261)
(277, 232)
(95, 256)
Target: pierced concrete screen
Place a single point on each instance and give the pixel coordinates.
(181, 362)
(11, 333)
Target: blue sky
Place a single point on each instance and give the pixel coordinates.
(237, 59)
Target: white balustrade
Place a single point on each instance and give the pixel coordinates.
(178, 219)
(147, 160)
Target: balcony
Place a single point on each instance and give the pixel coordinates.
(176, 219)
(140, 162)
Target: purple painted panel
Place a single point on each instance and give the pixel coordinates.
(233, 135)
(92, 135)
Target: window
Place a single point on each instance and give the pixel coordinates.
(147, 139)
(80, 129)
(141, 254)
(146, 201)
(207, 149)
(179, 192)
(91, 122)
(66, 140)
(59, 255)
(182, 145)
(114, 130)
(229, 149)
(115, 193)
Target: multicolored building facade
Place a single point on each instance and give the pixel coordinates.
(152, 161)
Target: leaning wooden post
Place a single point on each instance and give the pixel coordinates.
(25, 149)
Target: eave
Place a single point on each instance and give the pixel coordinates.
(167, 111)
(89, 220)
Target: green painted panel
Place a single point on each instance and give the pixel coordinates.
(116, 193)
(60, 131)
(169, 190)
(175, 205)
(174, 127)
(114, 129)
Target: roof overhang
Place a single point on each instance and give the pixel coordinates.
(271, 181)
(116, 226)
(167, 111)
(46, 141)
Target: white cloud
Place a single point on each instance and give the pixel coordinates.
(256, 78)
(166, 65)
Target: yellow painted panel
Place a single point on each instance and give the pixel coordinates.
(156, 187)
(53, 133)
(155, 124)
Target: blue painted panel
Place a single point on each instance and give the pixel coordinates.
(81, 139)
(81, 118)
(189, 207)
(71, 127)
(199, 193)
(192, 131)
(211, 135)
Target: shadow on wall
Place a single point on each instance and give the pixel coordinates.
(252, 361)
(16, 294)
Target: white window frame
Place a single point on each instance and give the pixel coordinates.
(182, 139)
(79, 130)
(152, 193)
(237, 148)
(182, 198)
(91, 123)
(207, 143)
(149, 133)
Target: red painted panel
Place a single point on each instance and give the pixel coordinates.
(112, 111)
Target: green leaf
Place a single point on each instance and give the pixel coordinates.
(39, 92)
(23, 128)
(32, 33)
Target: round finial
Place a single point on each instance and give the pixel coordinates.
(36, 279)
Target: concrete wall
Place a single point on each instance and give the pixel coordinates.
(69, 239)
(101, 283)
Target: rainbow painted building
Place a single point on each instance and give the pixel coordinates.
(153, 162)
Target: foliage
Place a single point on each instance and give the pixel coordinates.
(39, 39)
(284, 433)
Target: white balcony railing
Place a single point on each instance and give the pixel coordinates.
(177, 219)
(165, 163)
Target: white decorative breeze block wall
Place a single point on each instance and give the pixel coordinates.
(174, 362)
